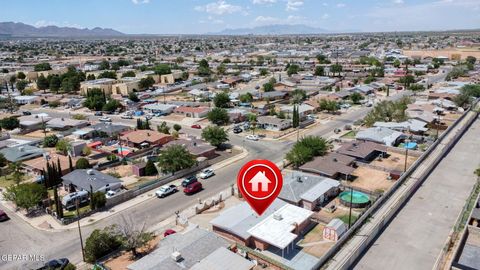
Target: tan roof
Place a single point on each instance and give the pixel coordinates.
(330, 165)
(40, 163)
(360, 149)
(140, 136)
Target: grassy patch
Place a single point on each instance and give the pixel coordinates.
(344, 218)
(7, 180)
(349, 135)
(73, 213)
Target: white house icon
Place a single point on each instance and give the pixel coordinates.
(259, 179)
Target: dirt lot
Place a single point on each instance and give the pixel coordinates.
(121, 262)
(371, 179)
(122, 170)
(314, 244)
(395, 161)
(38, 134)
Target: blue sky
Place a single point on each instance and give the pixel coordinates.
(202, 16)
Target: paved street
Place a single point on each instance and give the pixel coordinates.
(415, 237)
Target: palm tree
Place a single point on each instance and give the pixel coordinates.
(16, 169)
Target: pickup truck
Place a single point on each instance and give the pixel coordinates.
(166, 190)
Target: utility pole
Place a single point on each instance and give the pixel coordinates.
(406, 154)
(79, 230)
(350, 211)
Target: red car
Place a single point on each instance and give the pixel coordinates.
(168, 232)
(3, 216)
(193, 188)
(197, 126)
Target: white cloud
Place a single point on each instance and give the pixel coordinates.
(325, 16)
(219, 8)
(293, 5)
(292, 19)
(263, 2)
(398, 1)
(266, 19)
(136, 2)
(341, 5)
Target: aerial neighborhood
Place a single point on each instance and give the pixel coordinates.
(126, 151)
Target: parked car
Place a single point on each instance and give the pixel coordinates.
(168, 232)
(110, 194)
(197, 126)
(189, 180)
(252, 137)
(237, 130)
(27, 113)
(193, 188)
(148, 117)
(3, 216)
(206, 173)
(98, 113)
(105, 119)
(166, 190)
(57, 264)
(127, 116)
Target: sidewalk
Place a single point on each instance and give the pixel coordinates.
(48, 223)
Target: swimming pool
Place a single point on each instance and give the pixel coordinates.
(410, 145)
(356, 198)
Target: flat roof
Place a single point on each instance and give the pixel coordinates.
(278, 232)
(222, 259)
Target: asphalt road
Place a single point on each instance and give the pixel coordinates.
(17, 237)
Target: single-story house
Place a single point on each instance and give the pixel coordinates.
(308, 190)
(185, 250)
(159, 108)
(222, 259)
(90, 179)
(411, 125)
(66, 123)
(39, 164)
(303, 110)
(381, 135)
(333, 165)
(196, 147)
(362, 89)
(21, 153)
(272, 95)
(362, 150)
(273, 123)
(145, 138)
(34, 121)
(195, 112)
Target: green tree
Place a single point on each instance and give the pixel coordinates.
(50, 141)
(319, 71)
(471, 60)
(215, 135)
(42, 83)
(407, 80)
(21, 75)
(3, 161)
(204, 68)
(95, 99)
(104, 65)
(263, 72)
(163, 128)
(9, 123)
(111, 105)
(396, 63)
(101, 243)
(98, 200)
(221, 69)
(63, 146)
(146, 83)
(54, 83)
(222, 100)
(356, 97)
(175, 158)
(17, 171)
(336, 68)
(129, 73)
(177, 127)
(218, 116)
(108, 75)
(388, 111)
(246, 98)
(330, 106)
(150, 168)
(91, 77)
(293, 69)
(82, 163)
(21, 85)
(298, 95)
(42, 67)
(306, 149)
(133, 97)
(268, 87)
(162, 69)
(25, 196)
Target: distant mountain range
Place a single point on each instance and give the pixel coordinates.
(12, 29)
(274, 29)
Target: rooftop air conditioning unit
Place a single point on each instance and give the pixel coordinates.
(277, 216)
(90, 172)
(176, 256)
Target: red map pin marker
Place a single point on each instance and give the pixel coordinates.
(260, 181)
